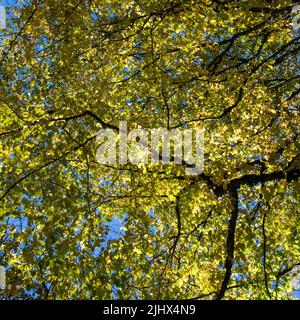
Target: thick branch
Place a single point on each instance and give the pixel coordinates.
(230, 245)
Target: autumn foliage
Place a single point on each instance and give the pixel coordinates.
(71, 227)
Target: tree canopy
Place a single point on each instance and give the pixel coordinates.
(71, 227)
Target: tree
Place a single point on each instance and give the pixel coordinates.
(72, 227)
